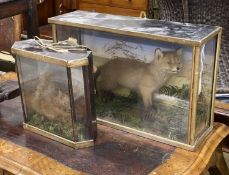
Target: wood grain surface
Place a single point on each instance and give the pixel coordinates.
(118, 7)
(221, 105)
(8, 76)
(115, 152)
(192, 163)
(10, 31)
(108, 9)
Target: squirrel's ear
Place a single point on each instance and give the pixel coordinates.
(179, 51)
(158, 54)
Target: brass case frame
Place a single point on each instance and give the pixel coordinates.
(192, 143)
(84, 62)
(155, 137)
(76, 145)
(52, 60)
(176, 40)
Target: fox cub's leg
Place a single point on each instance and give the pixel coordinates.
(146, 94)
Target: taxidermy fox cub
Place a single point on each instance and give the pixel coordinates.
(144, 78)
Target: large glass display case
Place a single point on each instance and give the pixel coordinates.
(152, 78)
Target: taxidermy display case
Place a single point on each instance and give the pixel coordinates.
(57, 90)
(153, 78)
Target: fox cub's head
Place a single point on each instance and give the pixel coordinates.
(170, 61)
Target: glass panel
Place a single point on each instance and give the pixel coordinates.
(46, 97)
(64, 32)
(207, 62)
(80, 104)
(141, 83)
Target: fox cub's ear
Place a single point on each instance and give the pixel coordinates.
(179, 51)
(158, 54)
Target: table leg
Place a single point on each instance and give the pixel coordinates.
(218, 164)
(205, 172)
(220, 161)
(32, 18)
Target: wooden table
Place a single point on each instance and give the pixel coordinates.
(116, 152)
(222, 112)
(222, 116)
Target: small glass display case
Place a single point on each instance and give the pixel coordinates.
(57, 92)
(153, 78)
